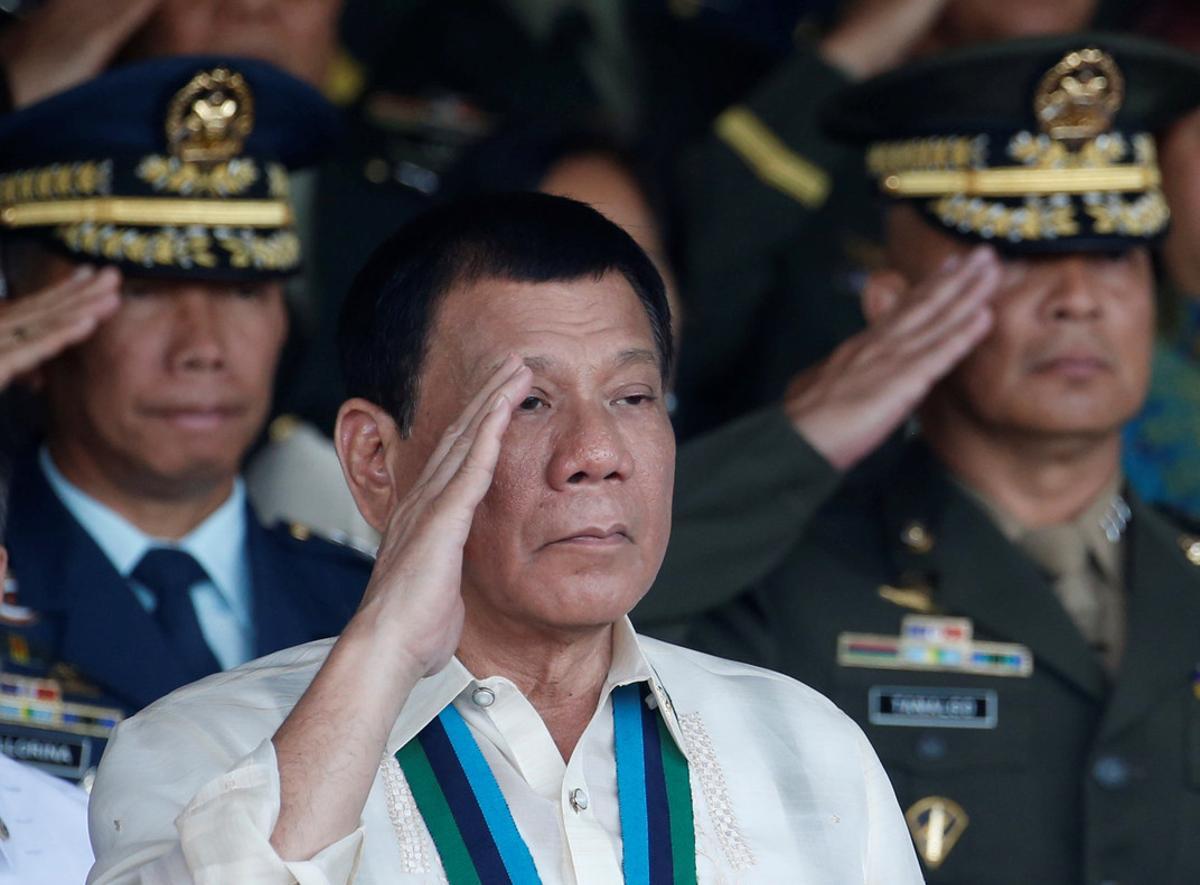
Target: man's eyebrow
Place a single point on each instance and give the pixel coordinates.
(544, 364)
(637, 355)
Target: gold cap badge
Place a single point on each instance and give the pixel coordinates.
(210, 118)
(936, 823)
(1079, 97)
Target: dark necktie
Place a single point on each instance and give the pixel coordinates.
(170, 574)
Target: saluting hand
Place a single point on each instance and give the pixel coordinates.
(407, 626)
(39, 326)
(63, 43)
(415, 589)
(874, 36)
(847, 405)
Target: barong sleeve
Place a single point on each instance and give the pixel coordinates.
(151, 824)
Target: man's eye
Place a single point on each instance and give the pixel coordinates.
(637, 399)
(531, 404)
(249, 291)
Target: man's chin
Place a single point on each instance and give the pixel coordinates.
(187, 478)
(582, 602)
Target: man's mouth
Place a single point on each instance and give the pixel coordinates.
(195, 417)
(598, 537)
(1073, 364)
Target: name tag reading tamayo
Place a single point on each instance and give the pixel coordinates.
(925, 707)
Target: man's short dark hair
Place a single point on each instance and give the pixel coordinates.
(521, 237)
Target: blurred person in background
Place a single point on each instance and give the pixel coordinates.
(1010, 623)
(138, 564)
(777, 227)
(1162, 456)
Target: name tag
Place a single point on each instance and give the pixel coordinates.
(927, 707)
(66, 755)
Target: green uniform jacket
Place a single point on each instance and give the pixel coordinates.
(776, 221)
(743, 495)
(1077, 780)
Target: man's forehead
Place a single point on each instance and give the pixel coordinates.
(554, 325)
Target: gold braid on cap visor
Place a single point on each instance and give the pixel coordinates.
(938, 167)
(148, 211)
(1116, 180)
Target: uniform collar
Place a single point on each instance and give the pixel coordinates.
(434, 693)
(1092, 524)
(218, 543)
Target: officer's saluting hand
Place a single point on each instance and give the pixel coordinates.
(57, 316)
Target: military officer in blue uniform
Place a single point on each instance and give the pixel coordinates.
(1011, 625)
(137, 564)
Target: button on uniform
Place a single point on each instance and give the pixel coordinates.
(579, 800)
(483, 697)
(1111, 772)
(931, 747)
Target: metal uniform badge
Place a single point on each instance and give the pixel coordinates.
(936, 824)
(918, 599)
(12, 613)
(1079, 97)
(210, 118)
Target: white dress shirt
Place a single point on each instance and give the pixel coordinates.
(224, 604)
(785, 787)
(43, 827)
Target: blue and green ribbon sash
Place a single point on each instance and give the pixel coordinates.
(654, 791)
(473, 829)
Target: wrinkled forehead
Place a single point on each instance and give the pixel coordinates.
(564, 326)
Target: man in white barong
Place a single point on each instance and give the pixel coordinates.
(489, 714)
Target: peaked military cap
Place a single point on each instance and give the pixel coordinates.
(174, 166)
(1035, 145)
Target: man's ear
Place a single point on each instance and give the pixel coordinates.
(882, 294)
(366, 438)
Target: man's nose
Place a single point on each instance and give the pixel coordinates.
(197, 339)
(589, 449)
(1073, 292)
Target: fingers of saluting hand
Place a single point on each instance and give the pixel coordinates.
(40, 326)
(465, 472)
(960, 282)
(456, 439)
(955, 342)
(972, 299)
(87, 290)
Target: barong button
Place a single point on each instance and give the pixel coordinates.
(579, 799)
(483, 697)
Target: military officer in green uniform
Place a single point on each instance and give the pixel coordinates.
(1015, 631)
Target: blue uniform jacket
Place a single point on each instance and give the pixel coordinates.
(88, 626)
